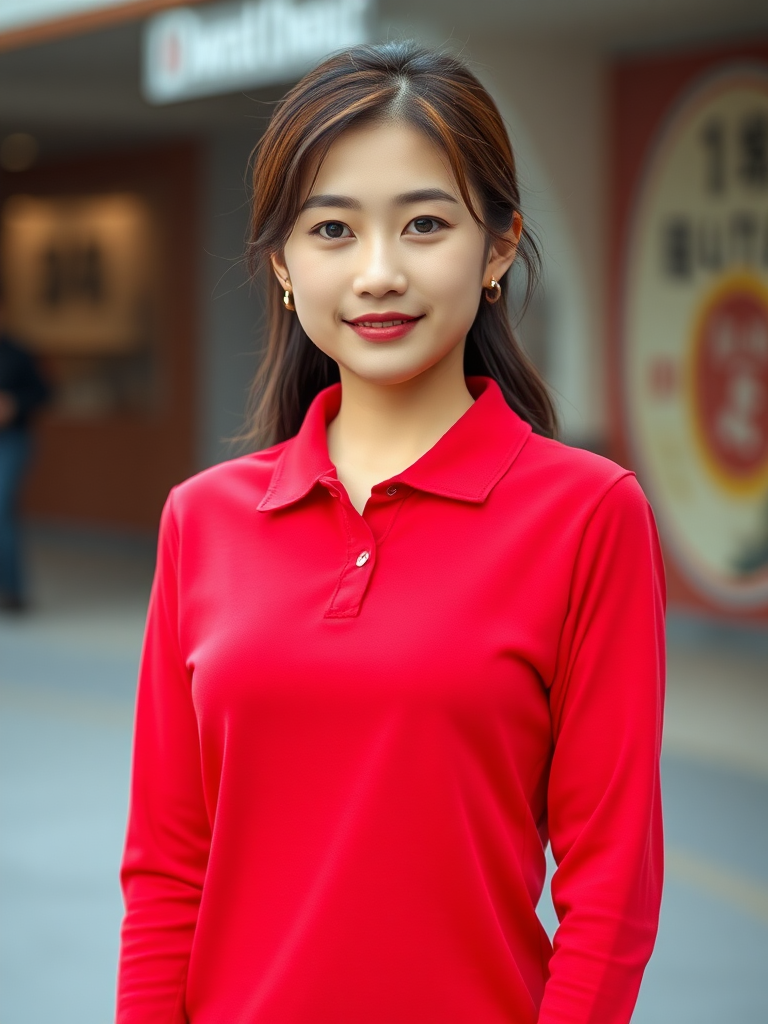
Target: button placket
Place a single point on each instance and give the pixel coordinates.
(384, 509)
(357, 569)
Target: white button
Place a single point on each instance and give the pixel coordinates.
(391, 490)
(363, 557)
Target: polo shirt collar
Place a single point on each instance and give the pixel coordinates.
(465, 463)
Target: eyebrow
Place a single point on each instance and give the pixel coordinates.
(419, 195)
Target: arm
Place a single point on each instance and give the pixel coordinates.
(604, 790)
(28, 389)
(168, 836)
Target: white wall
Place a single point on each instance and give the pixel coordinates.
(553, 99)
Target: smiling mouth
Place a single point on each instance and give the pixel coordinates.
(383, 323)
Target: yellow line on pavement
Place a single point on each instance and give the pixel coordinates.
(745, 894)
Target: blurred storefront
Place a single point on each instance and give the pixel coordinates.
(100, 277)
(642, 138)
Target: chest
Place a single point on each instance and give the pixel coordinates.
(422, 609)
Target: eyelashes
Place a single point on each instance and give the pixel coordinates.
(328, 230)
(336, 230)
(420, 222)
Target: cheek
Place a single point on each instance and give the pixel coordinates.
(455, 284)
(315, 290)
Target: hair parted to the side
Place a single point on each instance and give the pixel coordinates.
(436, 93)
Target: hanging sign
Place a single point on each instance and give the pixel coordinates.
(202, 51)
(695, 360)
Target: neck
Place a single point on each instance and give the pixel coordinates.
(383, 428)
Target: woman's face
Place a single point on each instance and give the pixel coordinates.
(385, 236)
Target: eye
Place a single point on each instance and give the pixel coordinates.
(425, 225)
(333, 229)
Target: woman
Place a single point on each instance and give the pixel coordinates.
(391, 656)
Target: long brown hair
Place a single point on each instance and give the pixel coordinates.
(439, 95)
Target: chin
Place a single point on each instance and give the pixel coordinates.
(388, 372)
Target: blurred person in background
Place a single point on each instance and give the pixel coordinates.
(23, 390)
(391, 656)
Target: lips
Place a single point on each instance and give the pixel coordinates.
(380, 327)
(388, 319)
(382, 323)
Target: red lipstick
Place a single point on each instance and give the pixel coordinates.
(386, 326)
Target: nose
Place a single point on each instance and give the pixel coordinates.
(380, 272)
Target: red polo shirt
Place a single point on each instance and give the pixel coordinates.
(355, 734)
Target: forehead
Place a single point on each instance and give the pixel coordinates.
(391, 157)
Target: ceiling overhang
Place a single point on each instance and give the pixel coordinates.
(43, 30)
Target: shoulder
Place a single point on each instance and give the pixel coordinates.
(230, 488)
(595, 512)
(572, 490)
(566, 472)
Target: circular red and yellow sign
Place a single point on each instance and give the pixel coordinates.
(729, 384)
(696, 335)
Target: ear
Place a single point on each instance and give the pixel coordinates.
(281, 270)
(502, 254)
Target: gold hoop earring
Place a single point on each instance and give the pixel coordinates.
(493, 291)
(288, 300)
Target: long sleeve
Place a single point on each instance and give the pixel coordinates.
(168, 835)
(31, 390)
(21, 378)
(604, 790)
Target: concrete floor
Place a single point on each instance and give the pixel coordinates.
(67, 675)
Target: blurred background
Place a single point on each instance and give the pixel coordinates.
(641, 133)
